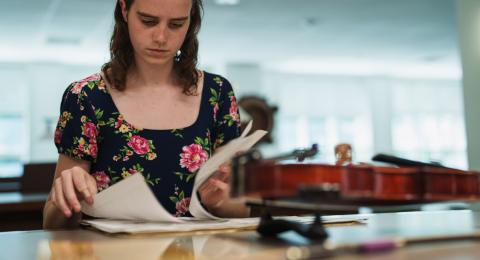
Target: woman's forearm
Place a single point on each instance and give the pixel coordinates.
(53, 218)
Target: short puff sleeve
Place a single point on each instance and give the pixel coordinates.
(76, 133)
(226, 114)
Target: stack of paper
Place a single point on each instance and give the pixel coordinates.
(128, 226)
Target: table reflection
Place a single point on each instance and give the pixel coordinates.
(181, 248)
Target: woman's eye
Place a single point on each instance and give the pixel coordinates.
(149, 22)
(176, 25)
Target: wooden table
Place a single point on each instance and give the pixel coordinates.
(87, 244)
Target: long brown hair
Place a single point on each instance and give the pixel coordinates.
(121, 51)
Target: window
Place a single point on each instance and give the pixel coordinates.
(326, 132)
(13, 144)
(428, 123)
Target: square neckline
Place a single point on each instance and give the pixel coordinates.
(115, 108)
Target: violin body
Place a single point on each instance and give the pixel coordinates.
(358, 182)
(275, 180)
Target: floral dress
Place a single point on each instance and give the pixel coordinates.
(91, 128)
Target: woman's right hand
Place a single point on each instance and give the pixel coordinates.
(70, 187)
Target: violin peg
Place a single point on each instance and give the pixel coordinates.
(343, 154)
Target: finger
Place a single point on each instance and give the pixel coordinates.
(69, 191)
(92, 184)
(215, 185)
(206, 187)
(226, 167)
(220, 185)
(222, 175)
(209, 187)
(221, 193)
(91, 187)
(81, 184)
(52, 195)
(60, 200)
(225, 170)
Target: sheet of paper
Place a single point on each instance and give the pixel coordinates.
(227, 152)
(129, 199)
(125, 226)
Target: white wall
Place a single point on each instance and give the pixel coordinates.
(469, 24)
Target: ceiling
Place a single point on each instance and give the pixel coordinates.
(324, 36)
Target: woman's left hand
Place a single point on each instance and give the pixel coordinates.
(216, 190)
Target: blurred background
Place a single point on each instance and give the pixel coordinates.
(383, 75)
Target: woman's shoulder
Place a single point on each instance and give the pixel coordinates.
(216, 80)
(91, 89)
(88, 92)
(93, 84)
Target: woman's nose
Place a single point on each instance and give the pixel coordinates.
(160, 35)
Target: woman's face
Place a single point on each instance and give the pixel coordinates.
(157, 28)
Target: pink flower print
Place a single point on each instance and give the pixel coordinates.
(234, 109)
(215, 110)
(90, 130)
(119, 122)
(139, 144)
(77, 88)
(132, 171)
(93, 77)
(93, 150)
(80, 84)
(58, 136)
(193, 157)
(102, 180)
(182, 207)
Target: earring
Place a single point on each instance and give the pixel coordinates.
(177, 55)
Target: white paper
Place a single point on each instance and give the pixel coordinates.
(227, 152)
(129, 199)
(132, 199)
(126, 226)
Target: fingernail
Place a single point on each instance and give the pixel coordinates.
(67, 213)
(86, 193)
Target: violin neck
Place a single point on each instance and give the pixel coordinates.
(404, 162)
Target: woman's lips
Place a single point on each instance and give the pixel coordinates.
(158, 52)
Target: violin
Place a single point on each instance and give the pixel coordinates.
(410, 182)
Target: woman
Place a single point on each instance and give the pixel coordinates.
(150, 112)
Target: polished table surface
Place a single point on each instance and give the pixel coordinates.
(88, 244)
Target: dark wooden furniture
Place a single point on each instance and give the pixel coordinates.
(22, 209)
(37, 177)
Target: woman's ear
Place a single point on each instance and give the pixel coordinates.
(124, 9)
